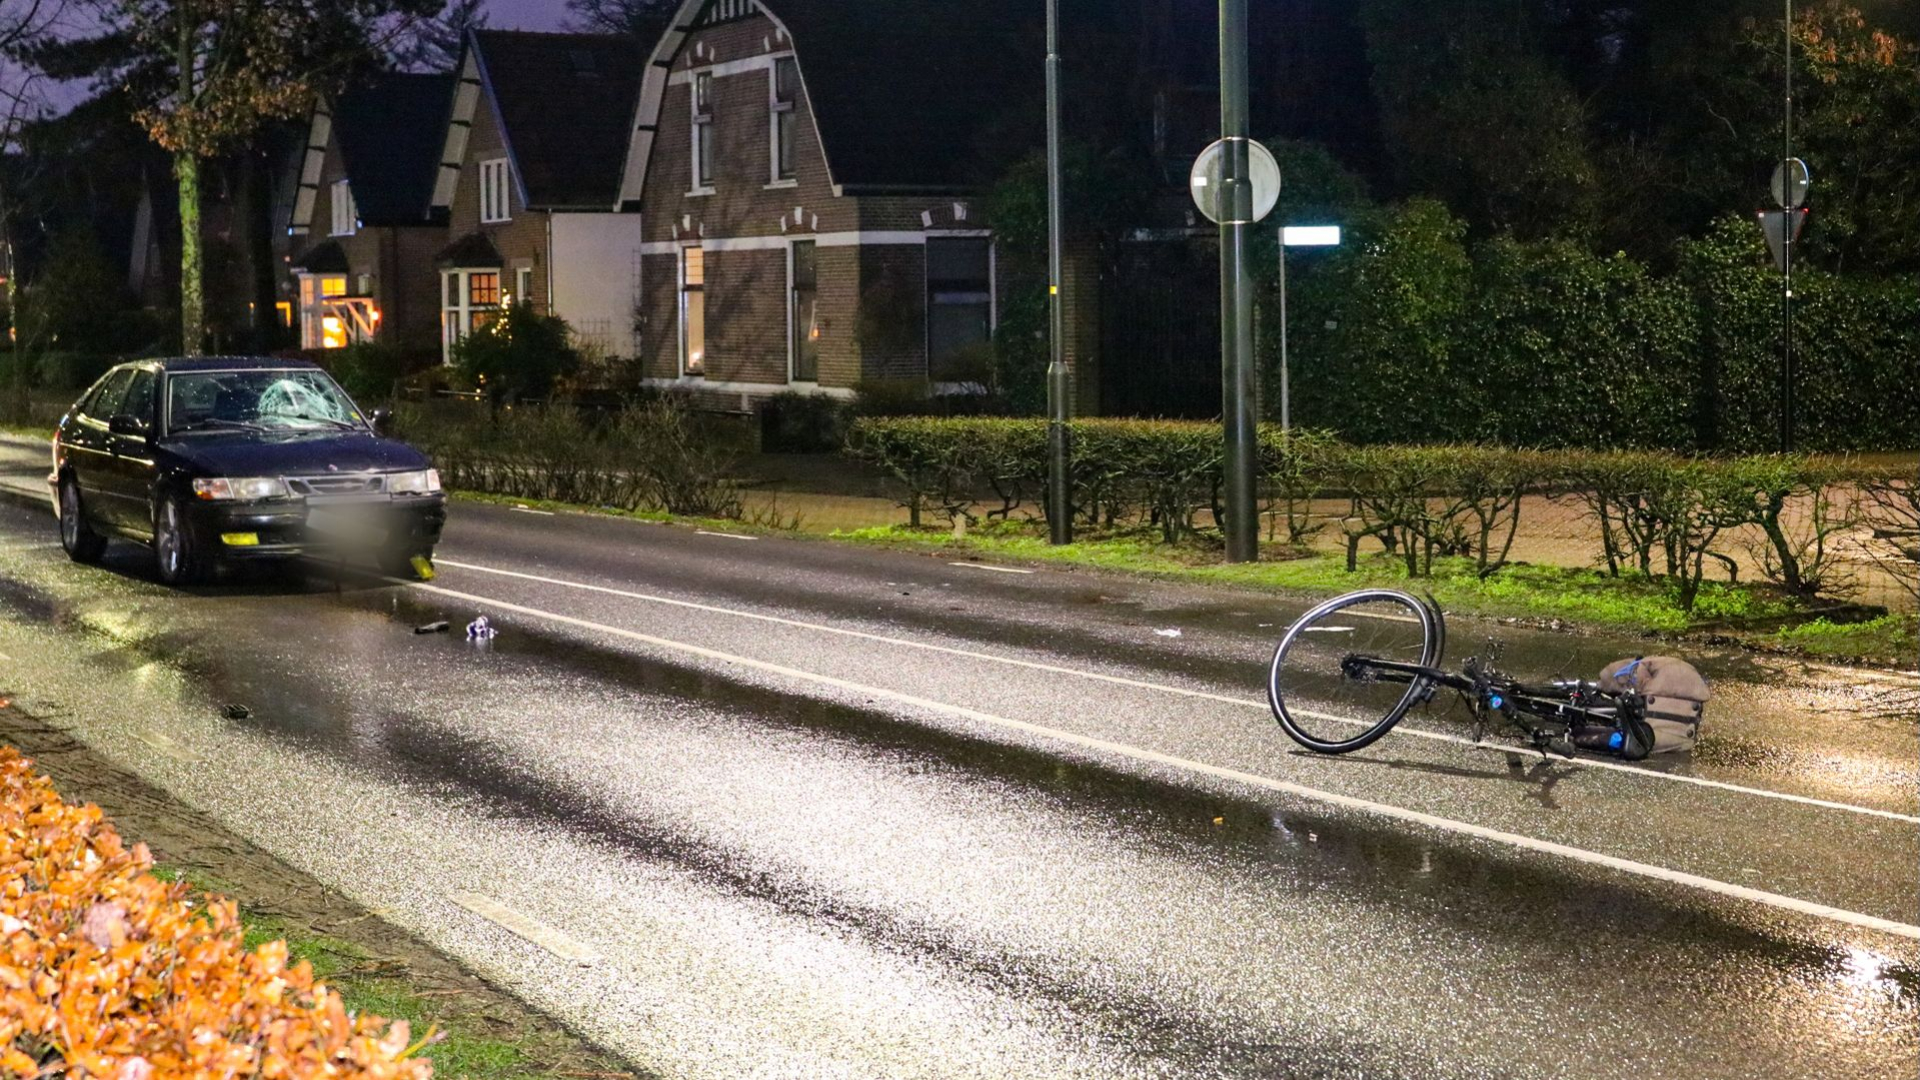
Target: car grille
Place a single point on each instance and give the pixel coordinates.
(337, 484)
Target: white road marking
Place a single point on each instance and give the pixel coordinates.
(532, 929)
(1088, 742)
(990, 566)
(166, 747)
(728, 536)
(531, 510)
(1181, 691)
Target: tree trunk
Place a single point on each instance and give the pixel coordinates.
(186, 171)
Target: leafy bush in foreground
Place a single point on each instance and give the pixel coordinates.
(106, 971)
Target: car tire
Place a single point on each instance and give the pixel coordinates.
(175, 553)
(82, 544)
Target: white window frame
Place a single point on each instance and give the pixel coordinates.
(701, 133)
(463, 309)
(680, 309)
(523, 284)
(775, 110)
(346, 216)
(793, 350)
(496, 200)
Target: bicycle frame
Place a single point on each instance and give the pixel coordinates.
(1545, 715)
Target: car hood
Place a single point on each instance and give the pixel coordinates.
(293, 454)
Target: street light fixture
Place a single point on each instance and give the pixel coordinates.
(1296, 236)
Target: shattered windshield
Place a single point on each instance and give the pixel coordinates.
(295, 399)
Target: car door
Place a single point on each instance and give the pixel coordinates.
(89, 455)
(130, 460)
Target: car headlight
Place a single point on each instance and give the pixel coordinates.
(423, 482)
(240, 488)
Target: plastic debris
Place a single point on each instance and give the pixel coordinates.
(480, 629)
(440, 627)
(1168, 633)
(422, 567)
(236, 712)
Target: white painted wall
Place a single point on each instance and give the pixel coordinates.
(595, 263)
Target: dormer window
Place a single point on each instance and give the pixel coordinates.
(346, 216)
(786, 92)
(495, 203)
(703, 131)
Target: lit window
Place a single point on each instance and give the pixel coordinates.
(803, 313)
(959, 306)
(786, 90)
(333, 286)
(693, 311)
(483, 289)
(346, 216)
(702, 130)
(495, 201)
(333, 332)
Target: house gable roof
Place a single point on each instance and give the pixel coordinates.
(902, 91)
(563, 103)
(388, 128)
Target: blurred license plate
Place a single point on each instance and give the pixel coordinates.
(345, 525)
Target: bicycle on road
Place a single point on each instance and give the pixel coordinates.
(1347, 671)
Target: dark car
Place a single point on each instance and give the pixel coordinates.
(210, 460)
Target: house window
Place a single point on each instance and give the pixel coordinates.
(703, 131)
(803, 312)
(959, 307)
(693, 311)
(786, 90)
(523, 285)
(469, 300)
(321, 325)
(494, 202)
(346, 216)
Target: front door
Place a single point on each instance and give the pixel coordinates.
(130, 459)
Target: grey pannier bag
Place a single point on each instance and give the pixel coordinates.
(1676, 696)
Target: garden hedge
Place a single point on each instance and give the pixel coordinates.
(107, 971)
(1661, 515)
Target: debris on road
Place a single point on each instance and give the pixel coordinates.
(440, 627)
(422, 567)
(480, 629)
(1168, 633)
(236, 712)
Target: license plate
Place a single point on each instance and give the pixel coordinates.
(342, 525)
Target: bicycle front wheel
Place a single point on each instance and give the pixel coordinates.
(1330, 686)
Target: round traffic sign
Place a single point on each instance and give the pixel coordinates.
(1790, 182)
(1210, 166)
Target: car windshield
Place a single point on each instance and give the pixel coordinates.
(294, 399)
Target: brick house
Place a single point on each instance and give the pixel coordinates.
(529, 170)
(362, 213)
(806, 174)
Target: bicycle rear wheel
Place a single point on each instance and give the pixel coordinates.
(1322, 688)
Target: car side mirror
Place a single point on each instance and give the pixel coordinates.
(128, 424)
(381, 421)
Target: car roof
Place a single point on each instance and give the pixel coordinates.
(179, 364)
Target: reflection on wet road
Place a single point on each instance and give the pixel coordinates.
(813, 877)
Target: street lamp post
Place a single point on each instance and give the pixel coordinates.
(1059, 449)
(1296, 236)
(1242, 528)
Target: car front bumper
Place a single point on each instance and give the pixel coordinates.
(408, 524)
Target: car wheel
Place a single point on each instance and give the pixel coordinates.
(173, 547)
(82, 544)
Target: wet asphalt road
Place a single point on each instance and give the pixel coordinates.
(780, 808)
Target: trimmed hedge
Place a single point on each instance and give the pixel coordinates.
(1661, 515)
(107, 971)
